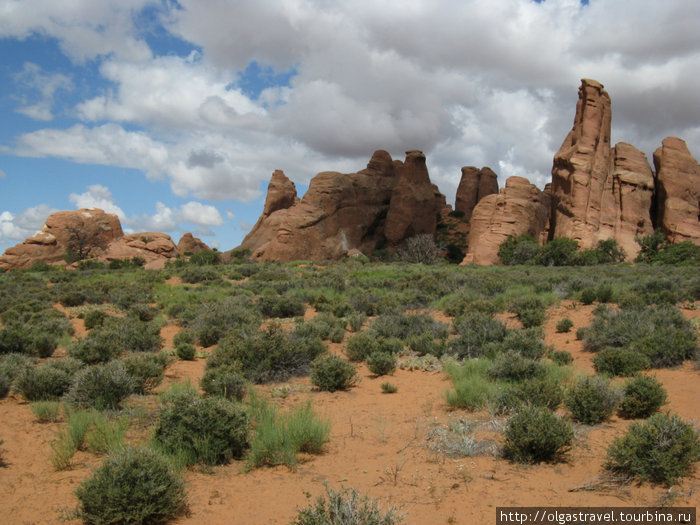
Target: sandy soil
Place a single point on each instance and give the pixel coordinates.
(378, 445)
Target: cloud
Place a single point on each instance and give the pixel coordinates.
(2, 174)
(32, 79)
(97, 196)
(167, 219)
(17, 227)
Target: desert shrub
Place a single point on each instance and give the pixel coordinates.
(42, 383)
(389, 388)
(94, 318)
(620, 361)
(346, 507)
(589, 295)
(75, 298)
(661, 449)
(224, 381)
(101, 386)
(558, 252)
(535, 434)
(475, 331)
(426, 344)
(592, 400)
(403, 326)
(561, 357)
(565, 325)
(287, 305)
(333, 373)
(641, 397)
(185, 351)
(530, 309)
(12, 365)
(512, 366)
(381, 363)
(210, 257)
(542, 392)
(184, 336)
(147, 370)
(472, 387)
(114, 337)
(214, 319)
(143, 312)
(45, 344)
(361, 345)
(199, 274)
(141, 477)
(4, 386)
(45, 411)
(210, 430)
(356, 320)
(98, 347)
(518, 250)
(326, 327)
(279, 437)
(15, 340)
(667, 346)
(528, 343)
(419, 249)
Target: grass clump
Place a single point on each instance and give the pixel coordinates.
(473, 388)
(381, 363)
(279, 437)
(106, 434)
(561, 357)
(535, 434)
(192, 429)
(346, 507)
(389, 388)
(641, 397)
(661, 449)
(592, 400)
(133, 485)
(333, 373)
(564, 326)
(45, 411)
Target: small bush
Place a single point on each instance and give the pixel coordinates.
(620, 361)
(427, 344)
(389, 388)
(333, 373)
(4, 386)
(512, 366)
(661, 449)
(565, 325)
(225, 382)
(346, 507)
(186, 351)
(42, 383)
(419, 249)
(641, 397)
(210, 430)
(476, 330)
(591, 400)
(184, 336)
(101, 386)
(381, 363)
(12, 365)
(542, 392)
(72, 299)
(132, 485)
(561, 357)
(287, 305)
(146, 369)
(535, 434)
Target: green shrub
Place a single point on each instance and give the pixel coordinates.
(641, 397)
(472, 387)
(4, 386)
(528, 343)
(518, 250)
(589, 295)
(346, 507)
(356, 320)
(389, 388)
(381, 363)
(620, 361)
(147, 370)
(15, 340)
(45, 345)
(132, 485)
(211, 257)
(476, 330)
(661, 449)
(72, 299)
(558, 252)
(210, 430)
(333, 373)
(106, 435)
(535, 434)
(561, 357)
(565, 325)
(542, 392)
(143, 312)
(12, 365)
(530, 309)
(186, 351)
(225, 382)
(214, 319)
(592, 400)
(42, 383)
(512, 366)
(101, 386)
(403, 326)
(199, 274)
(287, 305)
(426, 344)
(184, 336)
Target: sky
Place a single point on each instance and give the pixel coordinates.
(173, 114)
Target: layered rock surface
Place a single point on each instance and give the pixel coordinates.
(519, 208)
(188, 243)
(474, 185)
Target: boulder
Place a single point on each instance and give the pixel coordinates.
(414, 204)
(190, 244)
(156, 248)
(88, 230)
(339, 212)
(519, 208)
(474, 185)
(678, 191)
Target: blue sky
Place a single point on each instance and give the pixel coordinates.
(175, 114)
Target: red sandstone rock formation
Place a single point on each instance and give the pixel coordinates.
(339, 212)
(599, 192)
(519, 208)
(156, 248)
(678, 191)
(88, 229)
(190, 244)
(474, 185)
(413, 208)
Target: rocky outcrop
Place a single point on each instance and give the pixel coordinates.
(188, 244)
(474, 185)
(88, 230)
(678, 191)
(339, 212)
(413, 207)
(519, 208)
(599, 192)
(156, 248)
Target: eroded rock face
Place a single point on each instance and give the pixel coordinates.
(678, 191)
(156, 248)
(339, 212)
(281, 193)
(474, 185)
(414, 206)
(599, 192)
(519, 208)
(90, 227)
(190, 244)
